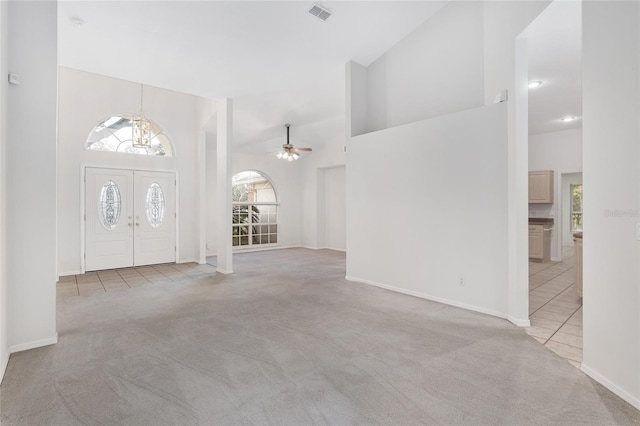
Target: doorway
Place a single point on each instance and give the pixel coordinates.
(130, 218)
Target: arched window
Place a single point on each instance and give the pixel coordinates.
(115, 133)
(255, 215)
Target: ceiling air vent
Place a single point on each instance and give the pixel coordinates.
(320, 12)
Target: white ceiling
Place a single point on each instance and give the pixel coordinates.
(279, 63)
(282, 65)
(554, 43)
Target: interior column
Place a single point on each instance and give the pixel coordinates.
(223, 211)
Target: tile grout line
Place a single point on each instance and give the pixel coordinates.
(553, 298)
(563, 324)
(550, 279)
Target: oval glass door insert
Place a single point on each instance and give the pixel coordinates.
(155, 205)
(109, 205)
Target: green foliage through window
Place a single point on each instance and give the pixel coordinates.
(254, 210)
(576, 207)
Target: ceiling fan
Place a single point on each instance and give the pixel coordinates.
(289, 152)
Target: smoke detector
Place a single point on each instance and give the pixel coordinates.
(320, 12)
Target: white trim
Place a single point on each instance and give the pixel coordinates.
(250, 250)
(324, 248)
(519, 322)
(334, 249)
(68, 273)
(635, 401)
(34, 344)
(223, 271)
(3, 366)
(189, 260)
(429, 297)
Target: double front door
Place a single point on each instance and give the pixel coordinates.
(129, 218)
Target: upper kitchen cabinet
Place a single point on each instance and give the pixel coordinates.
(541, 187)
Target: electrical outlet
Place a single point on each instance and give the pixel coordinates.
(461, 280)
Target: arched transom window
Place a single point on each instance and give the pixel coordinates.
(255, 215)
(115, 133)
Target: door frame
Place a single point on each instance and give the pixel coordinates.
(83, 210)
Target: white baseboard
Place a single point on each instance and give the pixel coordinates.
(224, 271)
(323, 248)
(633, 400)
(429, 297)
(189, 260)
(519, 322)
(32, 345)
(3, 365)
(251, 250)
(67, 273)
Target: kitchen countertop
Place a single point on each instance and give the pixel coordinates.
(544, 220)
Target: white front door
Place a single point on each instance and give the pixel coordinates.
(130, 218)
(154, 239)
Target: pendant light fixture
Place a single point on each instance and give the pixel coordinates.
(140, 127)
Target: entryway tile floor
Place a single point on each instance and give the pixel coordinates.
(125, 278)
(555, 308)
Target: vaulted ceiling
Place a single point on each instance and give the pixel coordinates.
(279, 63)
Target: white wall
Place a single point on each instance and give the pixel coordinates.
(436, 213)
(4, 347)
(84, 100)
(561, 152)
(437, 69)
(31, 174)
(331, 154)
(503, 21)
(611, 152)
(335, 212)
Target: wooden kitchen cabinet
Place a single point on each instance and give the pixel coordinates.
(536, 242)
(541, 187)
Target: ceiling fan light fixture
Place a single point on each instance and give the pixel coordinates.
(289, 152)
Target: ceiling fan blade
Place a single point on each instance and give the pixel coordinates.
(304, 149)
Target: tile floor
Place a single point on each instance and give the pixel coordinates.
(555, 308)
(125, 278)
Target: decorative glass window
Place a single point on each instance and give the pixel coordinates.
(576, 207)
(255, 210)
(109, 205)
(115, 133)
(155, 205)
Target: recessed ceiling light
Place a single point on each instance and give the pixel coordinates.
(535, 84)
(76, 22)
(568, 119)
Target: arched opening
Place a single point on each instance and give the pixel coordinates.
(255, 210)
(115, 135)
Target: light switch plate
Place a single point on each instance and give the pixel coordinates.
(15, 79)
